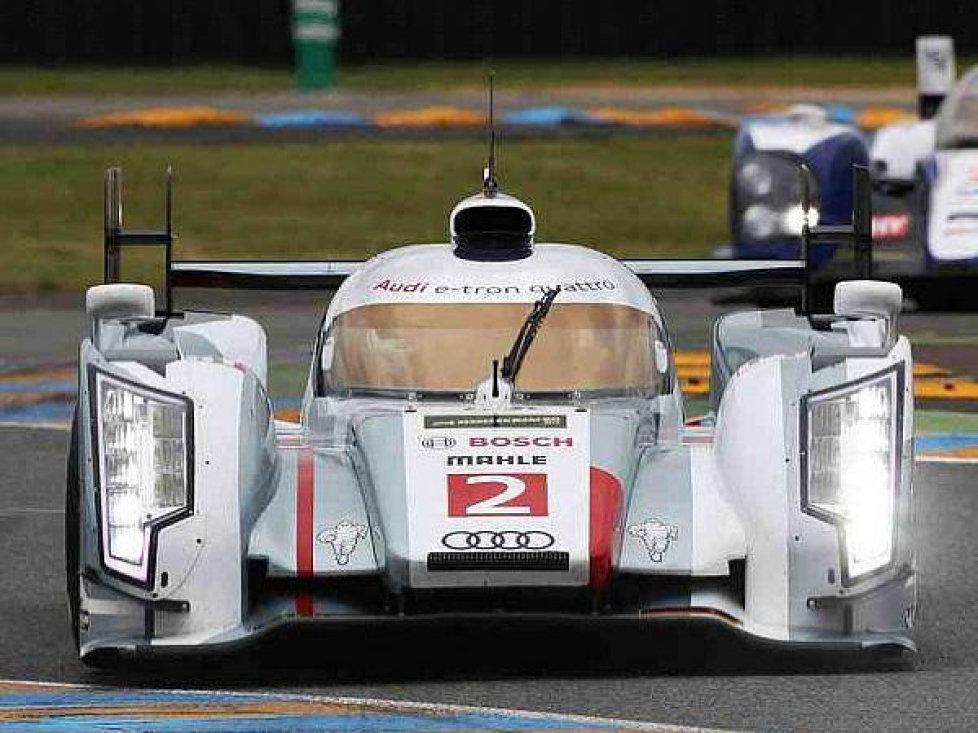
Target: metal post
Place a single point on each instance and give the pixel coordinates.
(862, 221)
(168, 215)
(806, 236)
(315, 31)
(113, 224)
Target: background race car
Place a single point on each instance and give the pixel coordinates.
(765, 190)
(925, 201)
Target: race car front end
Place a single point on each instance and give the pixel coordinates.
(492, 428)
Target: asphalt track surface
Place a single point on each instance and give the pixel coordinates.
(693, 674)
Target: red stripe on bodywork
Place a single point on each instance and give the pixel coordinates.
(305, 508)
(606, 501)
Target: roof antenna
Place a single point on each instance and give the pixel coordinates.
(489, 185)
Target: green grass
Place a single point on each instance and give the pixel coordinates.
(932, 338)
(349, 198)
(750, 71)
(934, 421)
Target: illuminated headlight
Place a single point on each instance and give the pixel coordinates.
(145, 470)
(852, 467)
(794, 219)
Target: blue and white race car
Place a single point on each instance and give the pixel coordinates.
(766, 214)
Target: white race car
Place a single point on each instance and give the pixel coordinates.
(926, 174)
(490, 426)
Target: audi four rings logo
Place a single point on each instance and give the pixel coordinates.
(509, 539)
(438, 442)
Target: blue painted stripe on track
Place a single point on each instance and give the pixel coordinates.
(38, 387)
(945, 442)
(43, 413)
(340, 722)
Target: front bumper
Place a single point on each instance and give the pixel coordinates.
(119, 628)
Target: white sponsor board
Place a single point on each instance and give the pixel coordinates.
(490, 491)
(935, 64)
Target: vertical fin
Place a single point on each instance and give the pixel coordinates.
(489, 185)
(862, 221)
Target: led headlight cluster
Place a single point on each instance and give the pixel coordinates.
(145, 470)
(852, 467)
(766, 198)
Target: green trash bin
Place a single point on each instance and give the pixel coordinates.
(315, 31)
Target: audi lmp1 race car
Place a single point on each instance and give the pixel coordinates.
(490, 425)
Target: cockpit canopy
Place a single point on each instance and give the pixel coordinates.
(957, 122)
(449, 348)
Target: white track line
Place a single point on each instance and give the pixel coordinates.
(945, 459)
(37, 425)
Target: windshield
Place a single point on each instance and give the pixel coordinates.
(450, 347)
(957, 124)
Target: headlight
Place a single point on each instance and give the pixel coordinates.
(794, 219)
(145, 470)
(852, 467)
(755, 178)
(760, 221)
(766, 198)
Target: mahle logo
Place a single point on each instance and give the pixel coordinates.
(438, 442)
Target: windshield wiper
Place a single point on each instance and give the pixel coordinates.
(528, 331)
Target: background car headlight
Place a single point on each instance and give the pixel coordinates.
(766, 198)
(755, 178)
(145, 469)
(852, 467)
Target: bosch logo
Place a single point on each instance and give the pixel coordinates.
(438, 442)
(491, 540)
(521, 441)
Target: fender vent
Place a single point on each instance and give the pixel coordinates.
(547, 560)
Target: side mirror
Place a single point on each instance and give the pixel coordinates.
(661, 357)
(871, 298)
(326, 353)
(877, 303)
(118, 300)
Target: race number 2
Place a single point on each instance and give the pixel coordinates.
(496, 495)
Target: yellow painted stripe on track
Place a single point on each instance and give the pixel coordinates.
(287, 414)
(58, 374)
(873, 118)
(662, 117)
(946, 389)
(923, 370)
(694, 386)
(180, 117)
(20, 399)
(693, 359)
(932, 380)
(430, 117)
